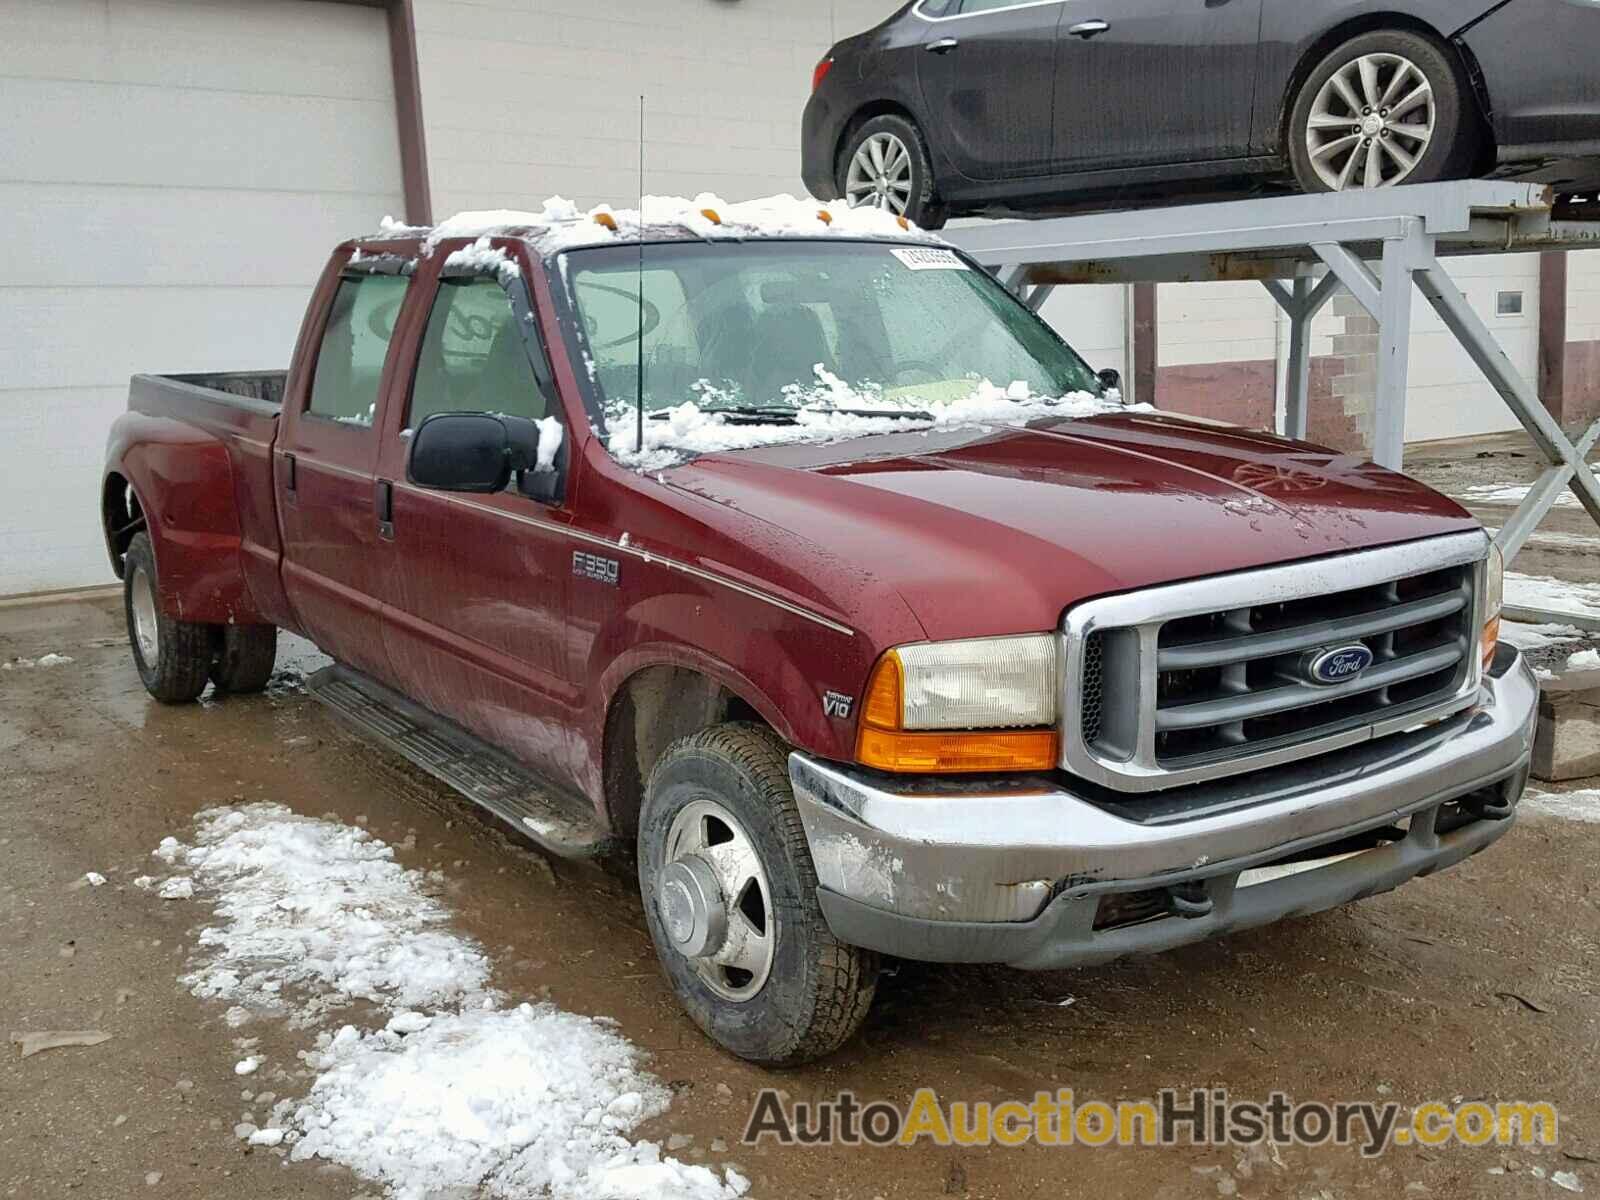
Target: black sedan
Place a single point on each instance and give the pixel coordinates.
(994, 106)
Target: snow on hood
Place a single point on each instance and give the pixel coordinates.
(677, 434)
(562, 225)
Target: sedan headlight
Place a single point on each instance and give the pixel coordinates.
(1494, 591)
(983, 704)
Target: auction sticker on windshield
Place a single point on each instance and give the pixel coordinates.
(929, 258)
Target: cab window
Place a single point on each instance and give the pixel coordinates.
(354, 344)
(474, 357)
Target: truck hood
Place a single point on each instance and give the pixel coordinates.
(999, 530)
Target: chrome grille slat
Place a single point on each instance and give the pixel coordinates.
(1208, 678)
(1261, 703)
(1223, 651)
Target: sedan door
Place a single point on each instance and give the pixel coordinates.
(1152, 82)
(986, 72)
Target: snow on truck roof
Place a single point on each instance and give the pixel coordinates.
(562, 225)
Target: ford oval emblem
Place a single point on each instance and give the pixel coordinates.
(1339, 664)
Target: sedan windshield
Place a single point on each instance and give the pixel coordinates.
(784, 333)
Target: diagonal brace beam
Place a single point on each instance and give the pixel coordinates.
(1568, 467)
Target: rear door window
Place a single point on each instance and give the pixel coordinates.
(355, 343)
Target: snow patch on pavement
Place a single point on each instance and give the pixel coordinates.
(1538, 637)
(456, 1094)
(1573, 806)
(1506, 493)
(1557, 595)
(316, 914)
(516, 1102)
(44, 660)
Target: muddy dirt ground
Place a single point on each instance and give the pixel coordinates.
(1482, 982)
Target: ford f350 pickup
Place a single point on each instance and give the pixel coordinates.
(788, 552)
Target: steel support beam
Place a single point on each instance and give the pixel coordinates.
(1301, 305)
(1567, 461)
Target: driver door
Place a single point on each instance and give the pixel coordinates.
(475, 623)
(987, 75)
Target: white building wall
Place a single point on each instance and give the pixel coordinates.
(523, 99)
(173, 174)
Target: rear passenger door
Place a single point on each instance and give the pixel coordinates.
(326, 457)
(476, 625)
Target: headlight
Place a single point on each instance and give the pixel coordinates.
(1494, 591)
(984, 704)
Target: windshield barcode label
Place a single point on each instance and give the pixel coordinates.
(929, 258)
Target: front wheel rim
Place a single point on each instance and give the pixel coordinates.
(715, 903)
(879, 175)
(1371, 123)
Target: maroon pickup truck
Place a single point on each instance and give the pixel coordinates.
(813, 569)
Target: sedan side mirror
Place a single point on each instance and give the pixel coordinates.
(1110, 379)
(471, 452)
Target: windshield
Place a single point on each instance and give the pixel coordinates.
(775, 333)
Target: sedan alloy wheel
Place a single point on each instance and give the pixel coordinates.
(1371, 123)
(880, 175)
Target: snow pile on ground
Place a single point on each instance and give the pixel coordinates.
(1506, 493)
(1558, 595)
(320, 909)
(1538, 637)
(1573, 806)
(561, 225)
(1583, 660)
(455, 1094)
(518, 1102)
(44, 660)
(677, 434)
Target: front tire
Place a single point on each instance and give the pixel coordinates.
(245, 661)
(173, 657)
(1385, 108)
(730, 896)
(886, 165)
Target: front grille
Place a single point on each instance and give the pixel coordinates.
(1233, 682)
(1092, 686)
(1203, 679)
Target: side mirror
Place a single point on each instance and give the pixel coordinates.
(471, 452)
(1110, 379)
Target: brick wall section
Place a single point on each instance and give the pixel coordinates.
(1245, 393)
(1581, 402)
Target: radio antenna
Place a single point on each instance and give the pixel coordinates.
(639, 355)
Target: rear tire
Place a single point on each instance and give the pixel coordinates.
(173, 657)
(804, 993)
(906, 172)
(245, 662)
(1360, 102)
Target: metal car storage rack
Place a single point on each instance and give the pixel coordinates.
(1301, 249)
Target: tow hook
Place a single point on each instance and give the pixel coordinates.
(1189, 900)
(1489, 805)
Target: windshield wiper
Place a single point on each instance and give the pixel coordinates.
(765, 414)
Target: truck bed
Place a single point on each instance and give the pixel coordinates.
(228, 491)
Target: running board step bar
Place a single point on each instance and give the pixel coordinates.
(484, 775)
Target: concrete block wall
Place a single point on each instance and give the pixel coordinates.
(1582, 375)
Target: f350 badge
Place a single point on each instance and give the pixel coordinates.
(592, 566)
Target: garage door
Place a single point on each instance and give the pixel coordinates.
(172, 176)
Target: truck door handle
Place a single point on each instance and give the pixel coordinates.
(288, 475)
(1087, 29)
(383, 502)
(942, 46)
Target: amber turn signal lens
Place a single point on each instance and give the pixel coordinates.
(881, 743)
(1491, 640)
(935, 753)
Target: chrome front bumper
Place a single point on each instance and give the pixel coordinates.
(1016, 870)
